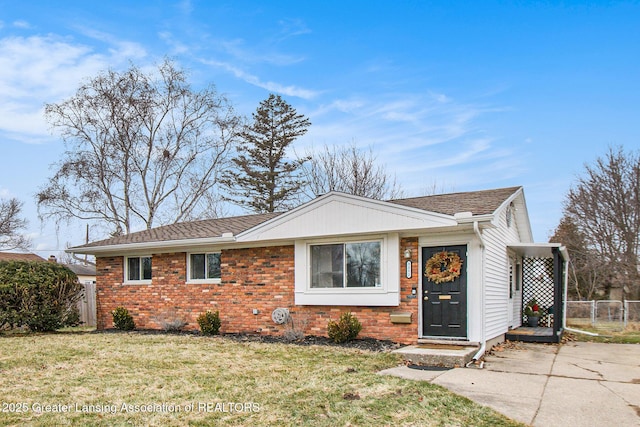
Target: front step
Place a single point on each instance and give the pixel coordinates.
(463, 343)
(443, 355)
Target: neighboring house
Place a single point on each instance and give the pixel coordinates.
(86, 273)
(340, 253)
(11, 256)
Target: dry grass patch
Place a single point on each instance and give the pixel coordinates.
(266, 384)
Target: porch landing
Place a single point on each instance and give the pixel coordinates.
(526, 334)
(440, 355)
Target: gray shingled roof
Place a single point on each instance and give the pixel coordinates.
(189, 230)
(11, 256)
(82, 270)
(477, 202)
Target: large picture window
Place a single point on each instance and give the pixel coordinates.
(352, 265)
(204, 266)
(138, 269)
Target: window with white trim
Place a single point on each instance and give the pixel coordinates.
(138, 269)
(346, 265)
(204, 266)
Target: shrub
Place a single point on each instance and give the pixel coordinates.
(122, 319)
(170, 322)
(209, 323)
(345, 329)
(40, 295)
(297, 326)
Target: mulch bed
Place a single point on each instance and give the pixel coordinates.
(369, 344)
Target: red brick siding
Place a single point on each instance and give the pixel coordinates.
(256, 278)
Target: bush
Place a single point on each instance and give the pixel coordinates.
(209, 323)
(297, 326)
(169, 321)
(345, 329)
(40, 295)
(122, 319)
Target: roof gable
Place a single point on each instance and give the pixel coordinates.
(339, 214)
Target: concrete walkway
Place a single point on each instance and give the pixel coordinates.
(574, 384)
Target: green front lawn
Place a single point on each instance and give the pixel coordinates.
(137, 379)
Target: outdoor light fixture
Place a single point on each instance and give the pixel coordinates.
(407, 253)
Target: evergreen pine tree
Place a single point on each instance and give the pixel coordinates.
(264, 179)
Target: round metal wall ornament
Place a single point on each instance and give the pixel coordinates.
(280, 316)
(443, 267)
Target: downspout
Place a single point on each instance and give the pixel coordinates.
(483, 341)
(565, 285)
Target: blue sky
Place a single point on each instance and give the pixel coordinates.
(458, 95)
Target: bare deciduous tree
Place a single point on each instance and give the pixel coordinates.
(349, 170)
(605, 206)
(588, 277)
(11, 224)
(141, 149)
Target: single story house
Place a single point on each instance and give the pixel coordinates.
(458, 266)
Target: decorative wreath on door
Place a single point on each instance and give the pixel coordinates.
(443, 267)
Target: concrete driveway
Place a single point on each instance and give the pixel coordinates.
(574, 384)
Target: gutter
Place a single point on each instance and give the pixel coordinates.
(483, 347)
(155, 245)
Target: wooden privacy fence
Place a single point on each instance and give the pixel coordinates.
(87, 304)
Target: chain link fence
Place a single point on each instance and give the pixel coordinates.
(609, 315)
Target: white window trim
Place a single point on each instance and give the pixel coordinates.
(344, 267)
(201, 281)
(386, 295)
(126, 271)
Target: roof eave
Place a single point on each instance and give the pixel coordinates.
(159, 246)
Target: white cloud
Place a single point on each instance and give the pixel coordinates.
(290, 90)
(21, 24)
(118, 48)
(177, 47)
(423, 138)
(185, 7)
(292, 28)
(40, 69)
(238, 50)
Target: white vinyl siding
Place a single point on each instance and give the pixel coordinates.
(497, 275)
